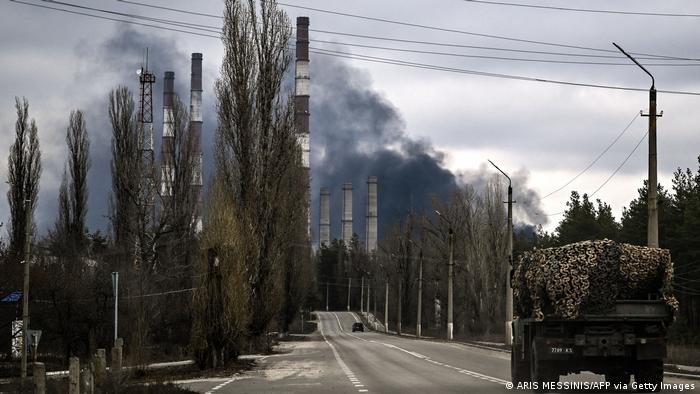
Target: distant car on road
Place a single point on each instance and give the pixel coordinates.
(358, 327)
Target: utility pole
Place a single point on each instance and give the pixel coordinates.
(362, 294)
(398, 310)
(25, 292)
(115, 286)
(450, 324)
(420, 292)
(386, 306)
(509, 289)
(450, 265)
(653, 213)
(367, 304)
(349, 282)
(326, 296)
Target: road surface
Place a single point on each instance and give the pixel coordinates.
(336, 360)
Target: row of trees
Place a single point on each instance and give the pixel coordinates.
(421, 243)
(478, 220)
(213, 294)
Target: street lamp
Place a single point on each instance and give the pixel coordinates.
(509, 289)
(420, 288)
(450, 264)
(653, 214)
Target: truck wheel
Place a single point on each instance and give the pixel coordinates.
(540, 371)
(519, 369)
(617, 377)
(650, 372)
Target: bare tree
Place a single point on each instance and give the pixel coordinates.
(125, 165)
(24, 170)
(78, 164)
(257, 152)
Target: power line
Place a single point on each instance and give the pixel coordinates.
(405, 50)
(587, 10)
(620, 166)
(448, 30)
(611, 175)
(208, 28)
(113, 19)
(437, 28)
(595, 160)
(376, 59)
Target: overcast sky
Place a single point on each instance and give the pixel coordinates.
(544, 133)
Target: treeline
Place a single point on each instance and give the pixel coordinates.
(679, 217)
(477, 217)
(210, 295)
(477, 221)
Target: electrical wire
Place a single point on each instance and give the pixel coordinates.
(405, 50)
(596, 159)
(398, 62)
(363, 17)
(375, 59)
(113, 19)
(208, 28)
(611, 175)
(620, 166)
(587, 10)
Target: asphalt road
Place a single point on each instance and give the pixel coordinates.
(336, 360)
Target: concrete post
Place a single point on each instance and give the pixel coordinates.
(420, 295)
(116, 367)
(449, 287)
(39, 378)
(100, 366)
(74, 376)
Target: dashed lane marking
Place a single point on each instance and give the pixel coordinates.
(463, 371)
(348, 372)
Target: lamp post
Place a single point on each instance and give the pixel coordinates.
(509, 289)
(450, 264)
(653, 213)
(420, 288)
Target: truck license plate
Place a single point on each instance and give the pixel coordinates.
(561, 350)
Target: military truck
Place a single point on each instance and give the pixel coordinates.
(576, 312)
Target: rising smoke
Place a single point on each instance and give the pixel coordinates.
(356, 133)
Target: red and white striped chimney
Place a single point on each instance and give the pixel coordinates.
(196, 130)
(301, 103)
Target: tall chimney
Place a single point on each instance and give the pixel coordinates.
(325, 218)
(196, 133)
(371, 222)
(167, 147)
(347, 214)
(301, 103)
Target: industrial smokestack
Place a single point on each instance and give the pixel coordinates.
(371, 222)
(347, 214)
(301, 102)
(325, 218)
(196, 133)
(168, 144)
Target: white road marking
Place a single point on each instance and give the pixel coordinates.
(215, 388)
(473, 374)
(348, 372)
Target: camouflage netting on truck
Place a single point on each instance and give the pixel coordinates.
(587, 277)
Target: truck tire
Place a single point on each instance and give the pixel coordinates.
(519, 368)
(540, 371)
(650, 371)
(618, 377)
